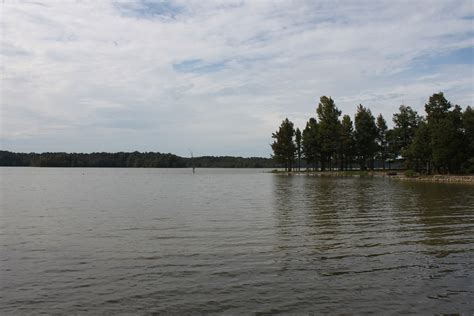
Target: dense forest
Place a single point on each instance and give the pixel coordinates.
(129, 160)
(440, 142)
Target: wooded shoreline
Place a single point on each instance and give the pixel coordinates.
(129, 160)
(441, 142)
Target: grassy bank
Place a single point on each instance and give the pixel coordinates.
(396, 175)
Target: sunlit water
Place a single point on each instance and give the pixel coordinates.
(231, 241)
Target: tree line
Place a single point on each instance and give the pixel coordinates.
(442, 141)
(129, 160)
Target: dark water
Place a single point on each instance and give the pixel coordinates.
(231, 241)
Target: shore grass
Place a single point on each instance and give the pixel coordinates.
(391, 174)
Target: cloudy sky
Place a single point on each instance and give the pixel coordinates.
(217, 77)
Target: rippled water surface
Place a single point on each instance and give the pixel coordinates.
(233, 241)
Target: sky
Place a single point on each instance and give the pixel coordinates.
(217, 77)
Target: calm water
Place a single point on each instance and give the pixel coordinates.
(233, 241)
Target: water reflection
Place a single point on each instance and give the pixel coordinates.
(410, 238)
(445, 213)
(325, 207)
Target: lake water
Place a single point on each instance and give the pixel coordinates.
(231, 241)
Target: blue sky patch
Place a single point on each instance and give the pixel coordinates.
(463, 56)
(149, 9)
(198, 66)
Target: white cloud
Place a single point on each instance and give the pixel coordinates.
(84, 76)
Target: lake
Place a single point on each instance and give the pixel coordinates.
(231, 241)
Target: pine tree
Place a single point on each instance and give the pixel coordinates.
(382, 139)
(446, 133)
(310, 142)
(328, 115)
(406, 123)
(468, 126)
(284, 147)
(437, 108)
(298, 147)
(419, 151)
(365, 134)
(347, 141)
(392, 147)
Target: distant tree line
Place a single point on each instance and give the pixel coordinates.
(440, 142)
(129, 160)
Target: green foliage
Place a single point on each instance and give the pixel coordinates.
(468, 127)
(406, 122)
(365, 135)
(419, 151)
(231, 162)
(392, 147)
(468, 165)
(284, 147)
(310, 142)
(381, 139)
(128, 160)
(298, 140)
(437, 107)
(443, 142)
(410, 173)
(446, 134)
(328, 115)
(347, 141)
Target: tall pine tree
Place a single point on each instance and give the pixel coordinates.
(284, 147)
(328, 115)
(310, 142)
(382, 139)
(365, 135)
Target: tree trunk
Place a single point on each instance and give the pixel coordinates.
(363, 163)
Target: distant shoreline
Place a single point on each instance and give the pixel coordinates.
(390, 174)
(128, 160)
